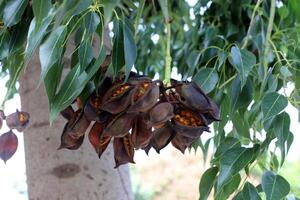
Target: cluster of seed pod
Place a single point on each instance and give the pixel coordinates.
(9, 141)
(140, 114)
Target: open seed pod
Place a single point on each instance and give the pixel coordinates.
(213, 114)
(68, 113)
(160, 114)
(117, 98)
(123, 150)
(120, 125)
(188, 123)
(181, 142)
(97, 139)
(92, 108)
(67, 141)
(18, 120)
(141, 134)
(145, 96)
(8, 145)
(77, 125)
(162, 137)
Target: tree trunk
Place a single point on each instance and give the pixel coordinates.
(63, 174)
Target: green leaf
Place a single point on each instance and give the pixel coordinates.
(85, 54)
(250, 192)
(207, 182)
(36, 34)
(274, 186)
(164, 7)
(283, 12)
(206, 78)
(227, 144)
(51, 50)
(13, 12)
(118, 60)
(229, 188)
(192, 61)
(281, 125)
(41, 9)
(232, 161)
(129, 46)
(241, 125)
(73, 85)
(243, 61)
(272, 104)
(51, 82)
(91, 22)
(109, 6)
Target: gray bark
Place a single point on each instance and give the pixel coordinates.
(63, 174)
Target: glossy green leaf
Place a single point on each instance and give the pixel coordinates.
(109, 6)
(227, 144)
(52, 80)
(207, 182)
(284, 70)
(85, 54)
(206, 79)
(91, 22)
(118, 57)
(73, 85)
(229, 188)
(193, 61)
(41, 9)
(274, 186)
(36, 34)
(232, 161)
(243, 61)
(51, 50)
(13, 11)
(272, 104)
(249, 192)
(281, 125)
(129, 46)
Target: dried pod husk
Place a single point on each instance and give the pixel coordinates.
(147, 149)
(160, 114)
(96, 138)
(8, 145)
(213, 114)
(120, 125)
(145, 96)
(181, 142)
(92, 108)
(2, 115)
(141, 134)
(117, 99)
(67, 141)
(193, 97)
(162, 137)
(77, 125)
(18, 120)
(123, 150)
(189, 124)
(68, 113)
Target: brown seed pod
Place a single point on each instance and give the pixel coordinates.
(117, 98)
(145, 96)
(120, 125)
(92, 108)
(141, 134)
(213, 114)
(67, 141)
(78, 124)
(193, 97)
(162, 137)
(8, 145)
(189, 124)
(68, 113)
(160, 114)
(123, 150)
(181, 142)
(18, 120)
(96, 138)
(1, 122)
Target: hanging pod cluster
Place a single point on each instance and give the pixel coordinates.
(139, 114)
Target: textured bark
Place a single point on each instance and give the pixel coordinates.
(63, 174)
